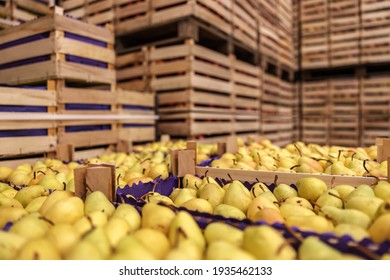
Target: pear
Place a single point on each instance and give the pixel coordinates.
(312, 163)
(184, 195)
(99, 239)
(5, 171)
(346, 216)
(154, 240)
(199, 205)
(257, 204)
(382, 190)
(270, 196)
(380, 229)
(183, 226)
(11, 193)
(300, 201)
(238, 196)
(284, 191)
(186, 250)
(63, 237)
(97, 201)
(311, 188)
(338, 168)
(50, 182)
(223, 250)
(19, 178)
(315, 223)
(116, 228)
(53, 198)
(208, 179)
(191, 181)
(357, 167)
(9, 202)
(157, 217)
(344, 190)
(213, 193)
(159, 170)
(157, 198)
(221, 231)
(4, 187)
(84, 250)
(36, 204)
(26, 195)
(362, 190)
(130, 214)
(312, 248)
(328, 198)
(229, 211)
(38, 249)
(10, 244)
(288, 210)
(266, 243)
(368, 205)
(383, 209)
(68, 210)
(130, 248)
(138, 180)
(258, 188)
(11, 214)
(30, 227)
(268, 215)
(92, 220)
(356, 232)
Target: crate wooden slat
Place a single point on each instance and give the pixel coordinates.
(375, 97)
(315, 130)
(345, 97)
(314, 15)
(247, 123)
(27, 137)
(195, 124)
(246, 79)
(57, 47)
(315, 95)
(315, 51)
(245, 22)
(374, 127)
(139, 104)
(131, 15)
(216, 12)
(132, 70)
(268, 39)
(100, 12)
(190, 66)
(270, 95)
(74, 8)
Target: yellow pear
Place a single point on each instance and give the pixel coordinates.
(53, 198)
(238, 195)
(223, 250)
(312, 223)
(88, 222)
(68, 210)
(187, 249)
(99, 239)
(116, 228)
(213, 193)
(220, 231)
(26, 195)
(11, 214)
(9, 202)
(83, 250)
(229, 211)
(380, 229)
(38, 249)
(30, 227)
(130, 214)
(97, 201)
(356, 232)
(63, 237)
(154, 240)
(10, 244)
(199, 205)
(130, 248)
(311, 188)
(157, 217)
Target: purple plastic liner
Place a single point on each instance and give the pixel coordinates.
(91, 107)
(81, 128)
(25, 62)
(137, 125)
(85, 61)
(23, 109)
(25, 40)
(23, 133)
(207, 162)
(85, 39)
(7, 226)
(134, 107)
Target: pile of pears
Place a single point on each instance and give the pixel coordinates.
(67, 228)
(299, 157)
(362, 212)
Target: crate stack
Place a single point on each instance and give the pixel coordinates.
(285, 33)
(72, 58)
(344, 28)
(314, 34)
(315, 124)
(375, 104)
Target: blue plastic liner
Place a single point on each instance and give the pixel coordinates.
(85, 39)
(137, 125)
(23, 133)
(91, 107)
(25, 40)
(85, 61)
(25, 62)
(134, 107)
(81, 128)
(23, 109)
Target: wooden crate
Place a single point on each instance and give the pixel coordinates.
(315, 130)
(245, 22)
(288, 100)
(131, 15)
(132, 70)
(247, 123)
(192, 124)
(100, 12)
(57, 47)
(314, 17)
(87, 133)
(344, 131)
(142, 107)
(270, 95)
(25, 125)
(375, 31)
(247, 87)
(315, 98)
(217, 13)
(268, 39)
(344, 97)
(374, 127)
(186, 66)
(7, 23)
(74, 8)
(375, 98)
(344, 27)
(315, 51)
(285, 33)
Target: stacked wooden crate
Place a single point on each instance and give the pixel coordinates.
(268, 32)
(344, 111)
(73, 58)
(314, 34)
(285, 33)
(375, 102)
(12, 11)
(375, 31)
(244, 22)
(344, 27)
(315, 111)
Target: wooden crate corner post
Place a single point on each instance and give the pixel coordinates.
(124, 146)
(65, 152)
(231, 144)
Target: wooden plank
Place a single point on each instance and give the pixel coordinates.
(28, 97)
(26, 145)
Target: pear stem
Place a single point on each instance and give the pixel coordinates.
(292, 167)
(46, 220)
(40, 171)
(231, 179)
(276, 180)
(353, 155)
(336, 196)
(365, 167)
(299, 151)
(64, 185)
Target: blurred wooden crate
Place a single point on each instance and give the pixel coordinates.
(344, 131)
(20, 131)
(131, 15)
(315, 130)
(247, 123)
(315, 98)
(184, 66)
(314, 17)
(285, 33)
(245, 22)
(270, 95)
(74, 8)
(374, 127)
(57, 47)
(142, 107)
(268, 39)
(132, 70)
(344, 97)
(315, 51)
(375, 98)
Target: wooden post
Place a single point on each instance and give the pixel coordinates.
(231, 144)
(385, 149)
(174, 157)
(186, 162)
(95, 177)
(221, 148)
(379, 145)
(124, 146)
(192, 145)
(65, 152)
(165, 138)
